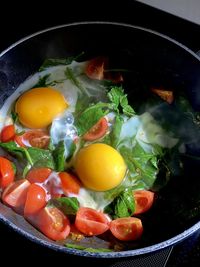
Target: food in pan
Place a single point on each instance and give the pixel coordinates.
(77, 159)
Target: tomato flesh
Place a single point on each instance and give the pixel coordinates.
(38, 175)
(34, 138)
(91, 222)
(97, 131)
(7, 172)
(70, 184)
(51, 222)
(126, 229)
(143, 201)
(8, 133)
(164, 94)
(95, 68)
(15, 195)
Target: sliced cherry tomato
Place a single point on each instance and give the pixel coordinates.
(166, 95)
(7, 172)
(126, 229)
(8, 133)
(70, 184)
(35, 200)
(34, 138)
(143, 200)
(15, 195)
(51, 222)
(91, 222)
(97, 131)
(38, 175)
(95, 68)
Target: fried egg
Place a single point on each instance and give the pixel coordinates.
(100, 167)
(37, 107)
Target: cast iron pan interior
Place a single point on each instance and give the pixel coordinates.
(155, 60)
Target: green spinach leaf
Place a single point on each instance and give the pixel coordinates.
(68, 205)
(59, 156)
(42, 81)
(119, 99)
(70, 75)
(34, 156)
(122, 206)
(51, 62)
(89, 117)
(115, 133)
(88, 249)
(142, 165)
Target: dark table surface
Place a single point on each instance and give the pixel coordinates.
(27, 19)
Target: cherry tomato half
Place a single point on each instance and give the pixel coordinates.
(7, 172)
(38, 175)
(34, 138)
(164, 94)
(35, 200)
(95, 68)
(15, 195)
(97, 131)
(70, 184)
(126, 229)
(51, 222)
(143, 201)
(8, 133)
(91, 222)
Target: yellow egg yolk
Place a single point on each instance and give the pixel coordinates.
(37, 107)
(100, 167)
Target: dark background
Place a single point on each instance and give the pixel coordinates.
(22, 20)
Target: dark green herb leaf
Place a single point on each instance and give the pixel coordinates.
(89, 117)
(88, 249)
(70, 75)
(120, 100)
(51, 62)
(42, 81)
(141, 164)
(14, 116)
(59, 156)
(115, 133)
(68, 205)
(12, 148)
(41, 157)
(122, 206)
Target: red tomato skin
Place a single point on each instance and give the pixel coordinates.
(143, 201)
(70, 184)
(38, 175)
(15, 195)
(91, 222)
(51, 222)
(166, 95)
(126, 229)
(97, 131)
(35, 200)
(7, 133)
(7, 173)
(95, 68)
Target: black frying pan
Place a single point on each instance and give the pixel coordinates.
(155, 60)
